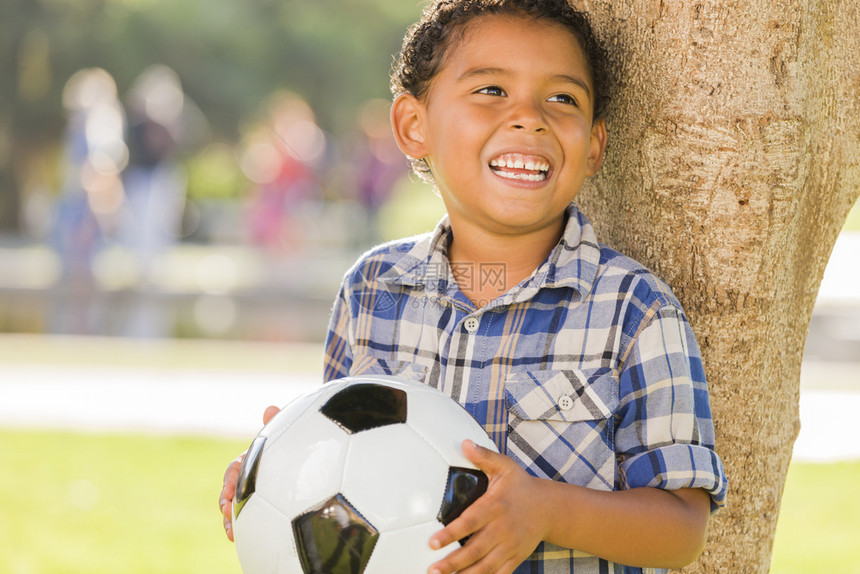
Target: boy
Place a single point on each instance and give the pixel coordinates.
(576, 360)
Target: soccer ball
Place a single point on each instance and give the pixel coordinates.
(355, 477)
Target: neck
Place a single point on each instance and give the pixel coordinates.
(506, 259)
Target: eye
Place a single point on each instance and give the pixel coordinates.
(491, 91)
(563, 99)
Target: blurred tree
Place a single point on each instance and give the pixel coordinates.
(229, 56)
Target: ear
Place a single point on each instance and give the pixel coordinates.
(407, 121)
(597, 147)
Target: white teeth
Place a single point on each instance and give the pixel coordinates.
(538, 167)
(522, 176)
(514, 162)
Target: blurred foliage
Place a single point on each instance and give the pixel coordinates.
(229, 55)
(214, 171)
(414, 207)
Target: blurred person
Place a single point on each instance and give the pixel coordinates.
(379, 164)
(155, 186)
(282, 155)
(90, 196)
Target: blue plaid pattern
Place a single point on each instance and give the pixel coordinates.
(586, 372)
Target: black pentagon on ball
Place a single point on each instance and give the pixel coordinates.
(366, 406)
(334, 538)
(247, 482)
(464, 486)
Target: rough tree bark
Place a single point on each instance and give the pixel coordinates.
(734, 158)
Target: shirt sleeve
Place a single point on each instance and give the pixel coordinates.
(338, 351)
(665, 433)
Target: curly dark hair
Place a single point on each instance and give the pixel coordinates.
(443, 22)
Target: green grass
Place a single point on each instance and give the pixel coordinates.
(819, 523)
(98, 503)
(79, 503)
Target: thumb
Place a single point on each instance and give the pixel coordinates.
(486, 460)
(270, 413)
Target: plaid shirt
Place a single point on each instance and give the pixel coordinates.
(586, 372)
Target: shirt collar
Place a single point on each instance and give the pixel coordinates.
(572, 263)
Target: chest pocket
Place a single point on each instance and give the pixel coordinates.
(369, 365)
(561, 424)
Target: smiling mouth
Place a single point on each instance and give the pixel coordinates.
(520, 167)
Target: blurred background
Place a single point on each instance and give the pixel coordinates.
(195, 169)
(182, 187)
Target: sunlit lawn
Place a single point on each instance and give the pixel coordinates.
(819, 524)
(97, 503)
(78, 503)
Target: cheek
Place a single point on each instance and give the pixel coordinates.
(457, 145)
(575, 132)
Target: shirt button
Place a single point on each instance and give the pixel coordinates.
(472, 324)
(565, 403)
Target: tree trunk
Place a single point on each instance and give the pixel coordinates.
(734, 158)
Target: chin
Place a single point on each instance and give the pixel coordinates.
(521, 225)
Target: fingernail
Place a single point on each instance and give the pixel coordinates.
(221, 503)
(475, 445)
(435, 545)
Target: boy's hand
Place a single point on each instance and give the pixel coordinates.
(231, 477)
(505, 524)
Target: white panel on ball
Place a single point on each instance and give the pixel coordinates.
(445, 423)
(399, 485)
(287, 416)
(296, 475)
(262, 528)
(407, 546)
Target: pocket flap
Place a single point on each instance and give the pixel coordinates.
(369, 365)
(568, 395)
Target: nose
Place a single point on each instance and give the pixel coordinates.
(528, 116)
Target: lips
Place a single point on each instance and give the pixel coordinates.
(521, 167)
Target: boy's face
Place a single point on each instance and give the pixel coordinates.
(506, 126)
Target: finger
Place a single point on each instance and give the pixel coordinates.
(455, 561)
(228, 529)
(270, 413)
(488, 461)
(471, 521)
(231, 477)
(228, 491)
(496, 561)
(225, 498)
(478, 555)
(233, 468)
(227, 510)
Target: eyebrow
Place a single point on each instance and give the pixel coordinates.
(490, 71)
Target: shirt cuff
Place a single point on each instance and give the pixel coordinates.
(679, 466)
